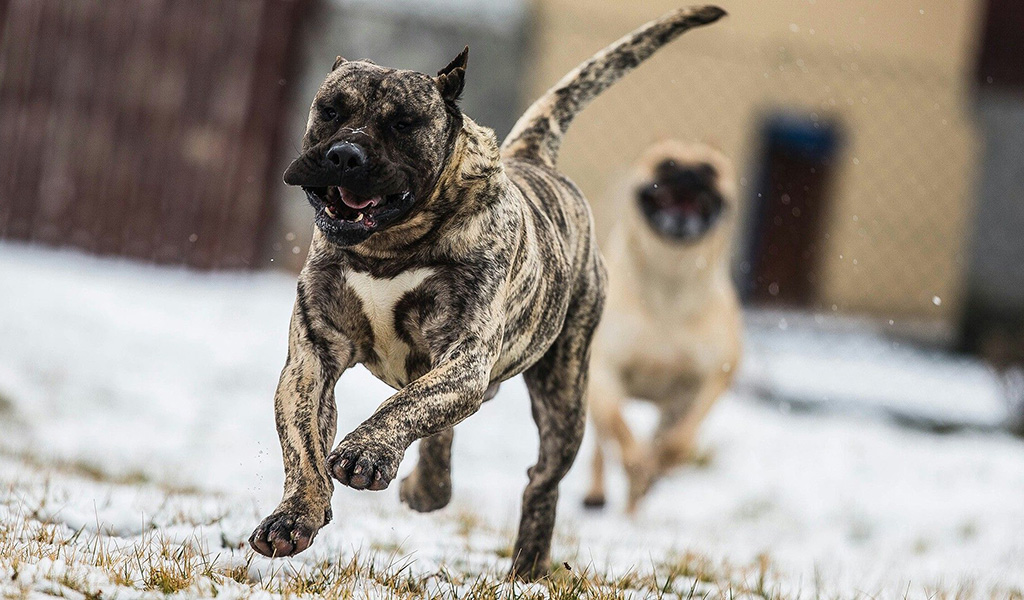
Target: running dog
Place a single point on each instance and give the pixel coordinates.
(672, 327)
(445, 265)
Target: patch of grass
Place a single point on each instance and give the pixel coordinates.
(151, 563)
(387, 546)
(968, 530)
(82, 562)
(91, 472)
(6, 405)
(467, 522)
(76, 582)
(703, 458)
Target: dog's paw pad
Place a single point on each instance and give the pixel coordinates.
(363, 465)
(282, 534)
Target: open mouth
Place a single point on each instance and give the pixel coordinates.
(680, 214)
(341, 209)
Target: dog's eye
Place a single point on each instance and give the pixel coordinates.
(707, 172)
(328, 113)
(403, 125)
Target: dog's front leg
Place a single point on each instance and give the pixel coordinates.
(306, 424)
(454, 389)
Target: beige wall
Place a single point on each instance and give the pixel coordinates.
(894, 73)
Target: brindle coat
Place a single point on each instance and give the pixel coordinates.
(451, 267)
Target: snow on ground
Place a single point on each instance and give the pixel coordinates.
(869, 371)
(136, 406)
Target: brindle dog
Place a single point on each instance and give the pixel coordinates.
(445, 265)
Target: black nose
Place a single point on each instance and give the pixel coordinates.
(688, 179)
(346, 155)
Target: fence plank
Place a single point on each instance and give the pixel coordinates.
(143, 128)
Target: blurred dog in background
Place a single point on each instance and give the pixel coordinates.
(671, 328)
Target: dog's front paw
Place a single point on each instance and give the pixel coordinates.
(594, 500)
(287, 531)
(364, 464)
(642, 476)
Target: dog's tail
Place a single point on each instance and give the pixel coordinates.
(538, 134)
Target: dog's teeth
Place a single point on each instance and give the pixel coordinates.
(330, 213)
(359, 217)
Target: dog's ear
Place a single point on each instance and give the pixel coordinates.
(450, 80)
(337, 63)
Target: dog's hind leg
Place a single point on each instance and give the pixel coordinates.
(429, 486)
(557, 383)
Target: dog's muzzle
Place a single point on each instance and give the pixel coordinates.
(682, 203)
(340, 185)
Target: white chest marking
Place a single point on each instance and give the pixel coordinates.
(379, 297)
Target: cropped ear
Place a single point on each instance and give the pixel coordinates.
(337, 62)
(450, 80)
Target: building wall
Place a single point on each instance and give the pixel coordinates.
(893, 74)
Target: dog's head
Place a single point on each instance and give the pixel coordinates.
(376, 142)
(683, 190)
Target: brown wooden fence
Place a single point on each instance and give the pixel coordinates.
(143, 128)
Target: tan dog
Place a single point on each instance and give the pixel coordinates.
(671, 328)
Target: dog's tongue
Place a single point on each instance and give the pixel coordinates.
(353, 201)
(682, 208)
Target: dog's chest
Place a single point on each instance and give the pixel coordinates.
(381, 299)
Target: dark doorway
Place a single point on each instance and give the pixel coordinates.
(992, 322)
(792, 198)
